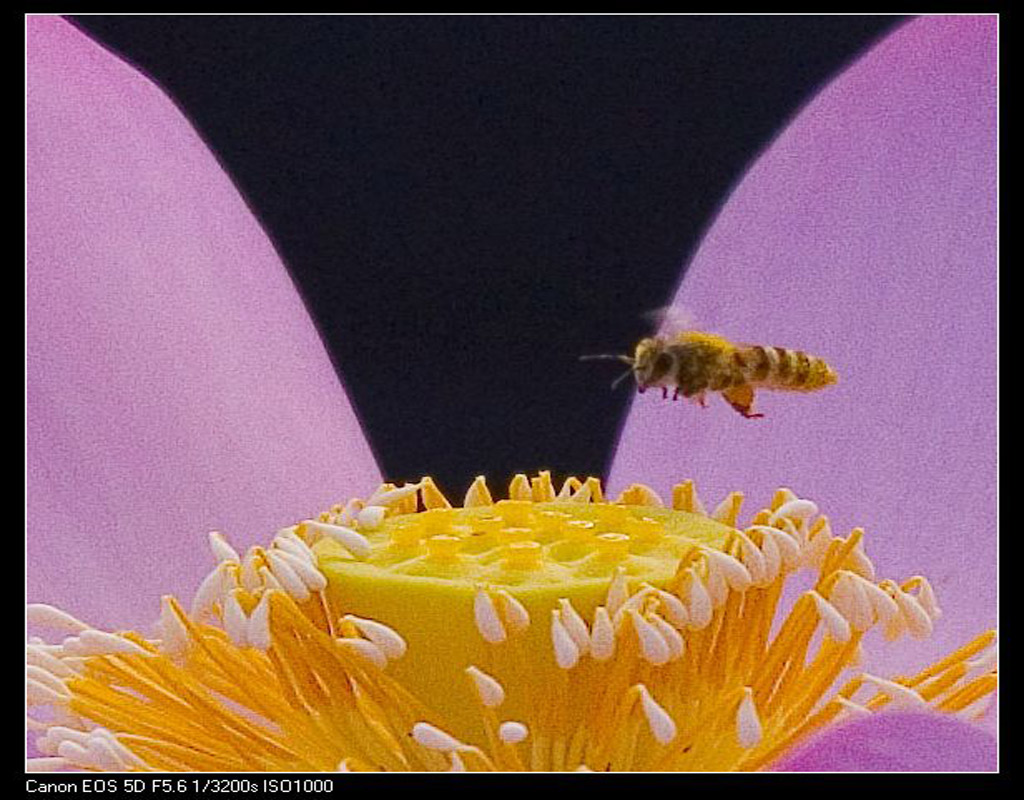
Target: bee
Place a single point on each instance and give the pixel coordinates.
(693, 363)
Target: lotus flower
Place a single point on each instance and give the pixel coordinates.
(176, 385)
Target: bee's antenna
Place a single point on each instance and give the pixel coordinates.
(621, 378)
(608, 357)
(616, 357)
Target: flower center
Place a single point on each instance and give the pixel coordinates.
(436, 575)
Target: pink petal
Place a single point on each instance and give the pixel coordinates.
(175, 382)
(895, 742)
(865, 234)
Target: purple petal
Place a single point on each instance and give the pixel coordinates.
(895, 742)
(865, 234)
(176, 383)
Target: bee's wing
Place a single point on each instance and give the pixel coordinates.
(671, 320)
(681, 323)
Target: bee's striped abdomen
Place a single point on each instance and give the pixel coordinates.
(781, 368)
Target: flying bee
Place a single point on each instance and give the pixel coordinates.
(693, 363)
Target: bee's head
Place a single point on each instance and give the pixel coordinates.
(651, 362)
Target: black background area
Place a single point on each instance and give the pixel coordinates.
(468, 204)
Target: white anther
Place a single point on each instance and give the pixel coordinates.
(386, 638)
(236, 624)
(884, 606)
(732, 570)
(649, 497)
(800, 510)
(366, 649)
(477, 495)
(602, 636)
(173, 633)
(48, 742)
(817, 547)
(287, 576)
(772, 556)
(97, 749)
(672, 637)
(371, 517)
(894, 628)
(45, 764)
(52, 649)
(618, 591)
(295, 549)
(658, 719)
(566, 651)
(770, 551)
(491, 693)
(312, 577)
(788, 547)
(512, 732)
(916, 619)
(457, 764)
(249, 576)
(853, 709)
(836, 624)
(653, 646)
(753, 560)
(222, 551)
(926, 597)
(581, 495)
(516, 614)
(257, 630)
(103, 754)
(858, 562)
(288, 539)
(71, 646)
(698, 602)
(211, 590)
(714, 582)
(269, 581)
(434, 738)
(633, 603)
(357, 544)
(748, 724)
(986, 661)
(125, 756)
(388, 497)
(349, 512)
(565, 493)
(34, 654)
(849, 599)
(40, 694)
(575, 625)
(50, 617)
(901, 696)
(724, 511)
(100, 643)
(343, 766)
(673, 609)
(75, 754)
(48, 679)
(486, 617)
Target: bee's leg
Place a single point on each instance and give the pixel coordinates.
(640, 389)
(664, 393)
(742, 399)
(675, 394)
(702, 399)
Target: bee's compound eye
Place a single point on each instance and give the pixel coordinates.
(662, 365)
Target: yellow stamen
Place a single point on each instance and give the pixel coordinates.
(598, 635)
